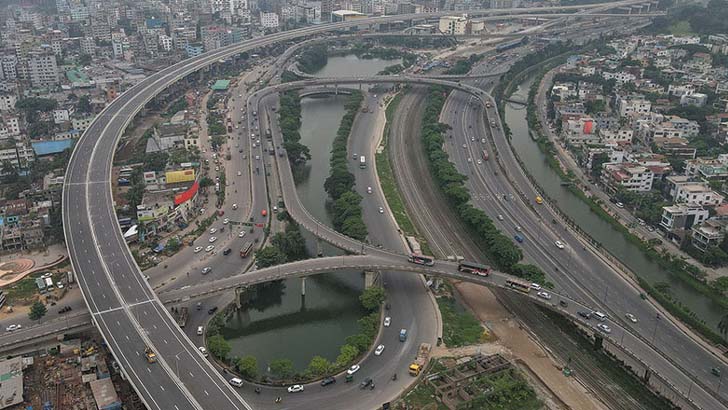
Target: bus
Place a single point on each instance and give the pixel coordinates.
(421, 260)
(474, 268)
(519, 285)
(245, 250)
(485, 155)
(362, 162)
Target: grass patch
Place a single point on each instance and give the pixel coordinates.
(421, 397)
(386, 176)
(459, 327)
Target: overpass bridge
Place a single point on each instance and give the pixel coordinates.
(124, 308)
(658, 361)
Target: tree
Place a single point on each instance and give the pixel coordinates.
(248, 366)
(269, 256)
(372, 298)
(85, 59)
(218, 346)
(281, 368)
(84, 104)
(319, 366)
(346, 355)
(37, 311)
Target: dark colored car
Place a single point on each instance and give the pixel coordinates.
(327, 381)
(585, 315)
(212, 310)
(227, 251)
(563, 303)
(365, 383)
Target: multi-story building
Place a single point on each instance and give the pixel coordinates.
(708, 234)
(630, 176)
(7, 102)
(679, 218)
(620, 136)
(693, 193)
(17, 154)
(269, 20)
(42, 69)
(453, 25)
(633, 104)
(708, 169)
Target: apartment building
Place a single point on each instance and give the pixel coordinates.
(630, 176)
(42, 69)
(678, 219)
(453, 25)
(707, 234)
(633, 104)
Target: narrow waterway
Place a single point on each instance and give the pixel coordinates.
(279, 323)
(602, 231)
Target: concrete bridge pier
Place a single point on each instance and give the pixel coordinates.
(238, 297)
(303, 286)
(370, 278)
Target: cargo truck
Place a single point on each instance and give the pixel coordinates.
(420, 361)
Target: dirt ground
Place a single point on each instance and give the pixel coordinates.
(515, 343)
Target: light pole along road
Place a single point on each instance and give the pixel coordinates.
(123, 306)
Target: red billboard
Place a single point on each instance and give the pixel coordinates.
(187, 195)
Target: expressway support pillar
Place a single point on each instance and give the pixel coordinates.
(370, 278)
(238, 295)
(336, 89)
(303, 286)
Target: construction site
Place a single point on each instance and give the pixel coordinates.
(74, 375)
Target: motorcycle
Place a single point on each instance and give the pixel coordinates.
(257, 390)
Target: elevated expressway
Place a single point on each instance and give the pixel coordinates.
(124, 308)
(673, 358)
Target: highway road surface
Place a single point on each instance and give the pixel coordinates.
(121, 302)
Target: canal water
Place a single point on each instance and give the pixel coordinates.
(279, 323)
(602, 231)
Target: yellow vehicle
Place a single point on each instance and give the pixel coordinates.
(420, 361)
(150, 355)
(539, 200)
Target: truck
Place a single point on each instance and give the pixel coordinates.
(403, 335)
(150, 355)
(362, 162)
(420, 361)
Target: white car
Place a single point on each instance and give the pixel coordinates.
(465, 146)
(353, 369)
(604, 328)
(212, 239)
(240, 173)
(500, 217)
(225, 221)
(482, 141)
(13, 327)
(209, 248)
(257, 157)
(535, 286)
(381, 210)
(559, 244)
(198, 249)
(203, 351)
(235, 206)
(369, 190)
(544, 295)
(241, 234)
(387, 321)
(212, 231)
(632, 318)
(379, 350)
(295, 388)
(470, 160)
(480, 161)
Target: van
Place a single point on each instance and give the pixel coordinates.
(200, 330)
(600, 316)
(236, 382)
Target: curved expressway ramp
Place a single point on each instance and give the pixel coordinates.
(123, 306)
